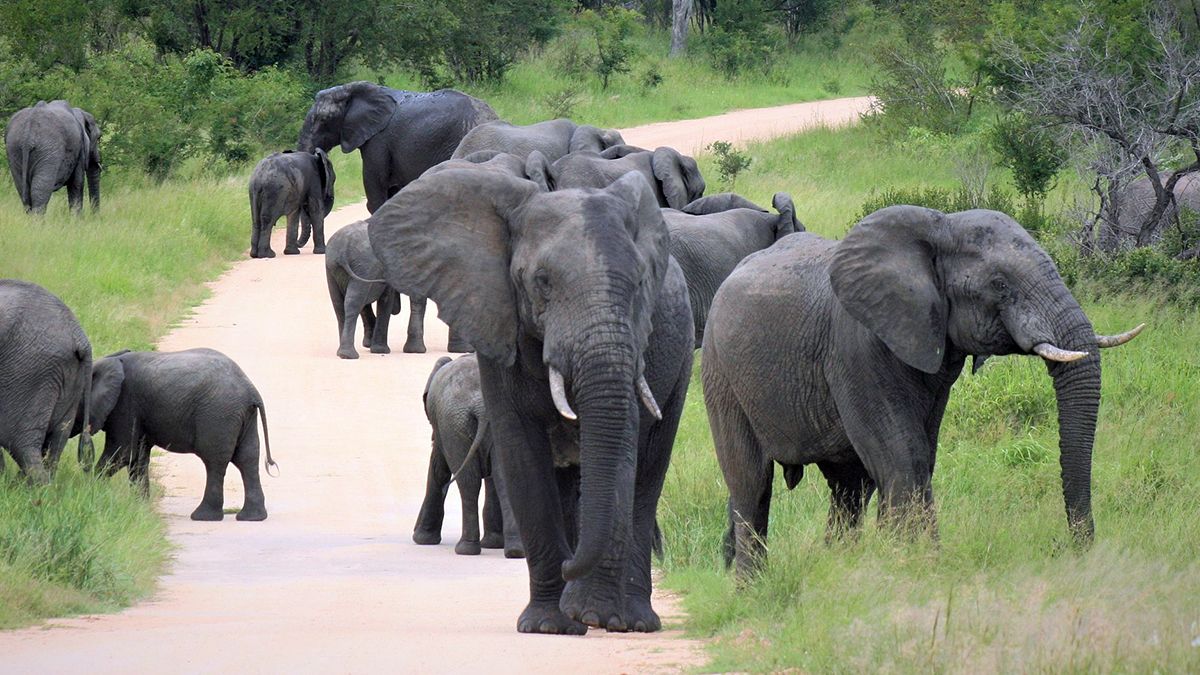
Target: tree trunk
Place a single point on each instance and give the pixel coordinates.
(681, 14)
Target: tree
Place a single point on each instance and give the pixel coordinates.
(611, 28)
(1127, 93)
(681, 15)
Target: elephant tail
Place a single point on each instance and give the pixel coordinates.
(23, 172)
(87, 450)
(358, 278)
(481, 433)
(262, 412)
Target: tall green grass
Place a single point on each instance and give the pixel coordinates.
(1003, 590)
(690, 87)
(129, 272)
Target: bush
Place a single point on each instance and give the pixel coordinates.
(912, 89)
(738, 38)
(946, 201)
(730, 161)
(1029, 152)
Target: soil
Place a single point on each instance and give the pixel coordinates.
(332, 582)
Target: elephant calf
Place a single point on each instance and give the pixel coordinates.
(298, 185)
(352, 273)
(553, 138)
(196, 401)
(674, 177)
(710, 236)
(52, 145)
(462, 444)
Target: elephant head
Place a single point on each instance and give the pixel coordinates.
(89, 152)
(325, 171)
(787, 222)
(561, 286)
(348, 114)
(108, 376)
(595, 139)
(976, 283)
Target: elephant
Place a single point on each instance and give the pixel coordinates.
(553, 138)
(353, 273)
(462, 452)
(1137, 200)
(51, 145)
(298, 185)
(399, 133)
(572, 302)
(854, 348)
(196, 401)
(675, 178)
(45, 366)
(710, 236)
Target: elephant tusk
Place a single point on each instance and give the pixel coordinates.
(648, 398)
(1051, 353)
(559, 391)
(1118, 340)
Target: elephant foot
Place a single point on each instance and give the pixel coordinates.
(414, 347)
(381, 349)
(640, 617)
(347, 353)
(252, 513)
(319, 250)
(492, 540)
(467, 547)
(208, 513)
(459, 347)
(291, 251)
(548, 619)
(580, 602)
(514, 551)
(426, 537)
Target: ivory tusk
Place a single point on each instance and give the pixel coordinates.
(648, 398)
(559, 391)
(1051, 353)
(1118, 340)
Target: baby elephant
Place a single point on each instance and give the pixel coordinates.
(298, 185)
(355, 279)
(197, 401)
(462, 444)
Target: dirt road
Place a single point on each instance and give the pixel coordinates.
(332, 582)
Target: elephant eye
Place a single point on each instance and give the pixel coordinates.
(1000, 285)
(541, 280)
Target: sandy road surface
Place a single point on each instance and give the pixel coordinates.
(331, 582)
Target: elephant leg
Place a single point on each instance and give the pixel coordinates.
(456, 344)
(748, 474)
(512, 536)
(212, 506)
(383, 316)
(415, 344)
(139, 464)
(850, 490)
(354, 304)
(469, 483)
(368, 322)
(53, 447)
(428, 529)
(337, 297)
(316, 216)
(493, 520)
(525, 460)
(292, 247)
(375, 184)
(75, 191)
(26, 450)
(245, 458)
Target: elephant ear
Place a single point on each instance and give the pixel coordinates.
(537, 169)
(679, 176)
(883, 275)
(325, 170)
(652, 241)
(93, 133)
(586, 137)
(787, 223)
(445, 236)
(368, 110)
(108, 376)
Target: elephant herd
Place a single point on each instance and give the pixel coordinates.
(584, 273)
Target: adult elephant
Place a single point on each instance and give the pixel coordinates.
(1137, 201)
(51, 145)
(710, 236)
(855, 347)
(553, 138)
(572, 302)
(45, 376)
(674, 178)
(399, 133)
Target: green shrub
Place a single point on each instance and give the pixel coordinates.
(942, 199)
(730, 161)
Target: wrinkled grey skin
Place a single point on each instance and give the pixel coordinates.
(578, 282)
(675, 178)
(45, 363)
(462, 451)
(709, 239)
(298, 185)
(553, 138)
(1138, 199)
(196, 401)
(350, 256)
(855, 347)
(52, 145)
(399, 133)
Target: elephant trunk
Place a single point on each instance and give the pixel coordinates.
(1077, 389)
(603, 383)
(93, 185)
